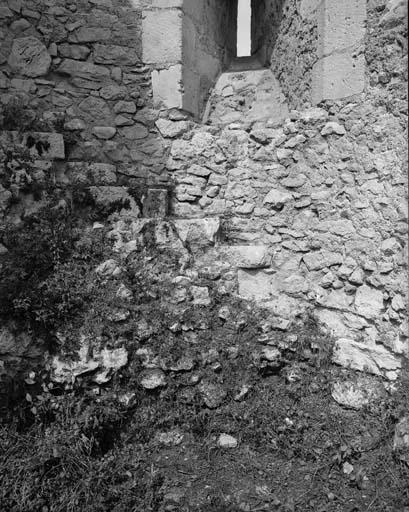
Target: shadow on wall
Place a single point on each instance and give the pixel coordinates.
(265, 22)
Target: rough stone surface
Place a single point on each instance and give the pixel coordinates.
(162, 36)
(153, 379)
(29, 57)
(401, 438)
(322, 188)
(356, 393)
(101, 363)
(374, 359)
(250, 256)
(227, 441)
(368, 302)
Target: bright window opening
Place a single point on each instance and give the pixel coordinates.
(244, 28)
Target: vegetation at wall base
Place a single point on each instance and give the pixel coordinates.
(120, 447)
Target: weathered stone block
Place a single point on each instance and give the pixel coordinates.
(167, 87)
(249, 256)
(375, 359)
(118, 55)
(171, 128)
(29, 57)
(278, 198)
(84, 74)
(198, 232)
(90, 35)
(369, 301)
(254, 284)
(338, 76)
(162, 36)
(340, 25)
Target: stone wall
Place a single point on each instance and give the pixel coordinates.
(78, 66)
(294, 50)
(210, 36)
(316, 48)
(322, 195)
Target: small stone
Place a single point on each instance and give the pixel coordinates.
(347, 468)
(172, 438)
(135, 132)
(356, 393)
(5, 12)
(294, 181)
(401, 438)
(398, 303)
(20, 25)
(108, 268)
(200, 171)
(271, 354)
(357, 277)
(213, 394)
(227, 441)
(125, 107)
(200, 295)
(322, 259)
(104, 132)
(278, 198)
(124, 293)
(153, 379)
(184, 364)
(333, 127)
(313, 115)
(241, 395)
(284, 154)
(73, 51)
(390, 246)
(74, 125)
(123, 121)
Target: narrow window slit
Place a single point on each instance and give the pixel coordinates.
(244, 28)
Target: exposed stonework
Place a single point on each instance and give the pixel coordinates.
(302, 209)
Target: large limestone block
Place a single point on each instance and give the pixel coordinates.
(369, 302)
(308, 8)
(167, 87)
(162, 36)
(249, 256)
(254, 284)
(84, 74)
(340, 25)
(29, 57)
(375, 359)
(338, 76)
(198, 232)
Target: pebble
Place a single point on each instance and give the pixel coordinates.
(227, 441)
